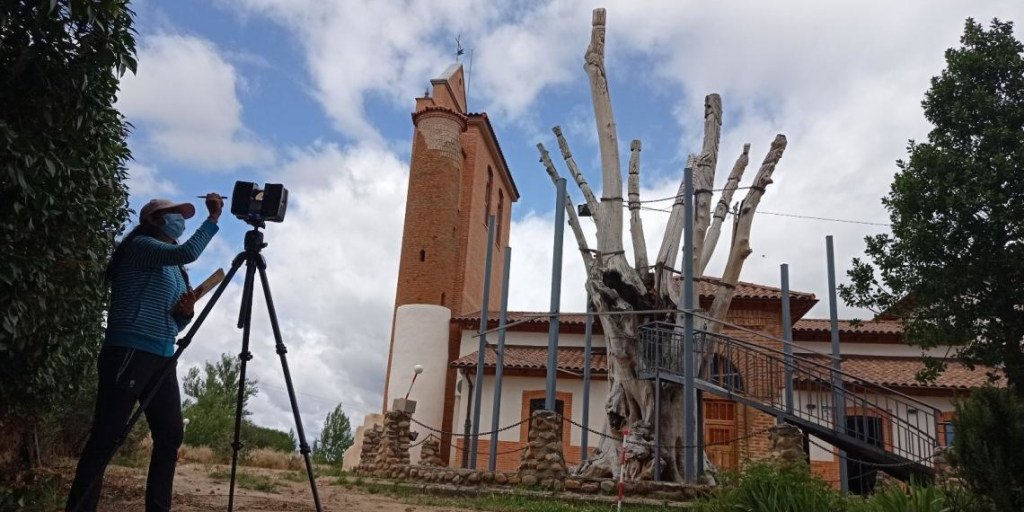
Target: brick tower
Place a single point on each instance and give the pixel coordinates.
(457, 179)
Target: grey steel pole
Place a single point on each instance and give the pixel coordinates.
(787, 337)
(482, 349)
(657, 424)
(556, 293)
(587, 333)
(838, 400)
(500, 364)
(690, 395)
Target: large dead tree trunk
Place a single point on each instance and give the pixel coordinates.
(615, 286)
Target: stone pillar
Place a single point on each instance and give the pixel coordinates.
(430, 452)
(786, 445)
(371, 441)
(944, 471)
(543, 462)
(393, 444)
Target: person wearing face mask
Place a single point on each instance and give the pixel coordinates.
(151, 301)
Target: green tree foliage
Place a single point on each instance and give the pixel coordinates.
(335, 438)
(988, 449)
(62, 192)
(210, 408)
(953, 267)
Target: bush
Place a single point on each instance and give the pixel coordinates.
(915, 498)
(198, 454)
(765, 487)
(988, 449)
(273, 459)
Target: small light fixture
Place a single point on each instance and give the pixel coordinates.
(911, 411)
(811, 407)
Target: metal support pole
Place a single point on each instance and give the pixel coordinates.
(588, 331)
(657, 424)
(482, 348)
(787, 336)
(700, 432)
(500, 364)
(838, 400)
(556, 293)
(690, 395)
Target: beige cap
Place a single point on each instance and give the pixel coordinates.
(186, 210)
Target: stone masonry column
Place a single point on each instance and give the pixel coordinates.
(543, 462)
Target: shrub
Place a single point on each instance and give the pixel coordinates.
(893, 498)
(765, 487)
(273, 459)
(198, 454)
(988, 449)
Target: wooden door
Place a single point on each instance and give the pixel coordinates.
(720, 426)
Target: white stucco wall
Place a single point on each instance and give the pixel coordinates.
(421, 337)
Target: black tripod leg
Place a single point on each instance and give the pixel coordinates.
(281, 351)
(167, 370)
(243, 357)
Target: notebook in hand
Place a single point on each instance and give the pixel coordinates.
(210, 283)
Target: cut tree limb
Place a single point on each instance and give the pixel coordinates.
(740, 247)
(711, 240)
(574, 170)
(609, 222)
(704, 176)
(670, 243)
(570, 210)
(636, 226)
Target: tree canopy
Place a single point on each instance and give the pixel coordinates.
(62, 192)
(335, 438)
(952, 270)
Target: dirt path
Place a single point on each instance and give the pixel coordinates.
(195, 490)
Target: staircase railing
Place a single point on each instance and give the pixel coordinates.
(879, 417)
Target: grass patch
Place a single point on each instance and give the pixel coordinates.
(331, 471)
(492, 502)
(247, 480)
(294, 476)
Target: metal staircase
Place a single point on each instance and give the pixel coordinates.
(872, 423)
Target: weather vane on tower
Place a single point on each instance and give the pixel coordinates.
(459, 51)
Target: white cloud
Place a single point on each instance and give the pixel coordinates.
(332, 269)
(145, 182)
(186, 99)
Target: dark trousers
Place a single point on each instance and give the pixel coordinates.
(127, 376)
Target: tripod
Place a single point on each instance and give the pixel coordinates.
(254, 261)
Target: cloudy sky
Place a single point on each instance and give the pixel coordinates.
(316, 94)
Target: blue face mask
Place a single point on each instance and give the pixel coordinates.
(174, 225)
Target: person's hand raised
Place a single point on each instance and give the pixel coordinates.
(215, 205)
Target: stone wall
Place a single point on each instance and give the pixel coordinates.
(430, 452)
(786, 445)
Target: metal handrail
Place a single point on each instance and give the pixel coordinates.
(853, 378)
(907, 437)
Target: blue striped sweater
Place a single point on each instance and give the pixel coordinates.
(146, 286)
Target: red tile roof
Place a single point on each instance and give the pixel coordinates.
(900, 372)
(708, 286)
(847, 326)
(535, 358)
(896, 372)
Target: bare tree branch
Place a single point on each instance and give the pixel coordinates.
(609, 222)
(574, 170)
(704, 176)
(740, 248)
(570, 210)
(670, 243)
(636, 226)
(711, 240)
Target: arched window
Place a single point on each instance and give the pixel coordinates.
(423, 255)
(499, 217)
(487, 194)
